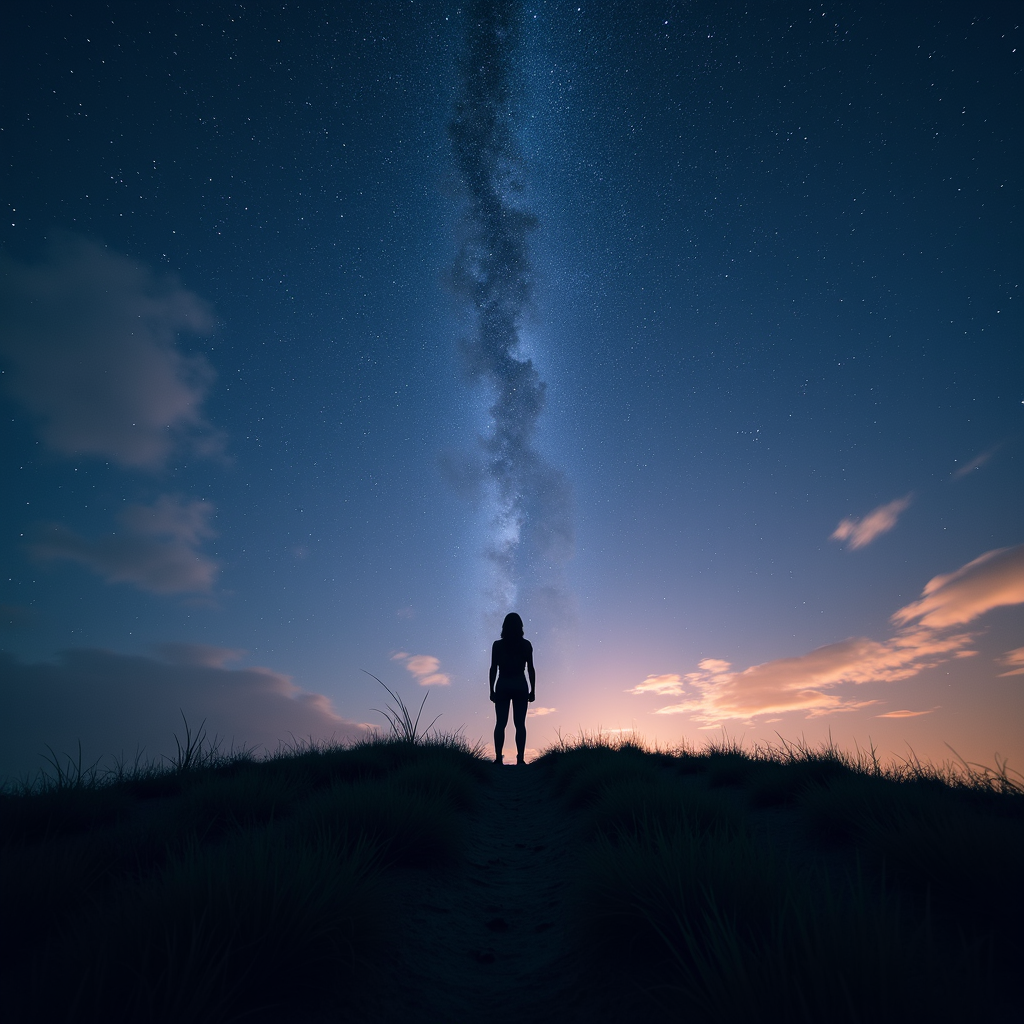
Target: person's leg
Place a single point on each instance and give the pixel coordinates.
(519, 705)
(500, 721)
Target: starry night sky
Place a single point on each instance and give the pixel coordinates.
(743, 445)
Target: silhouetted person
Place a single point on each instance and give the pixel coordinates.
(511, 659)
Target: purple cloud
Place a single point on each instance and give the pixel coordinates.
(113, 702)
(159, 552)
(90, 340)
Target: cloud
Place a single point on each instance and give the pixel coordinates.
(90, 339)
(113, 702)
(803, 683)
(905, 714)
(424, 667)
(990, 581)
(543, 711)
(671, 683)
(715, 693)
(1015, 660)
(859, 534)
(197, 654)
(976, 463)
(422, 664)
(159, 552)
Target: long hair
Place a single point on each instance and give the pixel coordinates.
(512, 626)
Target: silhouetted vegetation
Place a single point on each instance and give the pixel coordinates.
(791, 885)
(778, 885)
(221, 888)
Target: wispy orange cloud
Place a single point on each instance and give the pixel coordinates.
(976, 463)
(858, 533)
(1015, 660)
(671, 683)
(543, 711)
(925, 638)
(803, 683)
(424, 667)
(994, 579)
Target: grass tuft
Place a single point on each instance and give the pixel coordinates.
(400, 720)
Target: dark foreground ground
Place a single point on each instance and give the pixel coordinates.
(413, 881)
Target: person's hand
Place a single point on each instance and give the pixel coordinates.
(492, 697)
(532, 697)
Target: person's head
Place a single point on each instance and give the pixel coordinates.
(512, 626)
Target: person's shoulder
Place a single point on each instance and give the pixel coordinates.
(527, 644)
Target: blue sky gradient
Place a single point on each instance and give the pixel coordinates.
(775, 290)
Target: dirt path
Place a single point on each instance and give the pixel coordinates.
(484, 940)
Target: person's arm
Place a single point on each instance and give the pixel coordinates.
(493, 674)
(531, 670)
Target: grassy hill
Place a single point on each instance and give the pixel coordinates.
(713, 886)
(792, 886)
